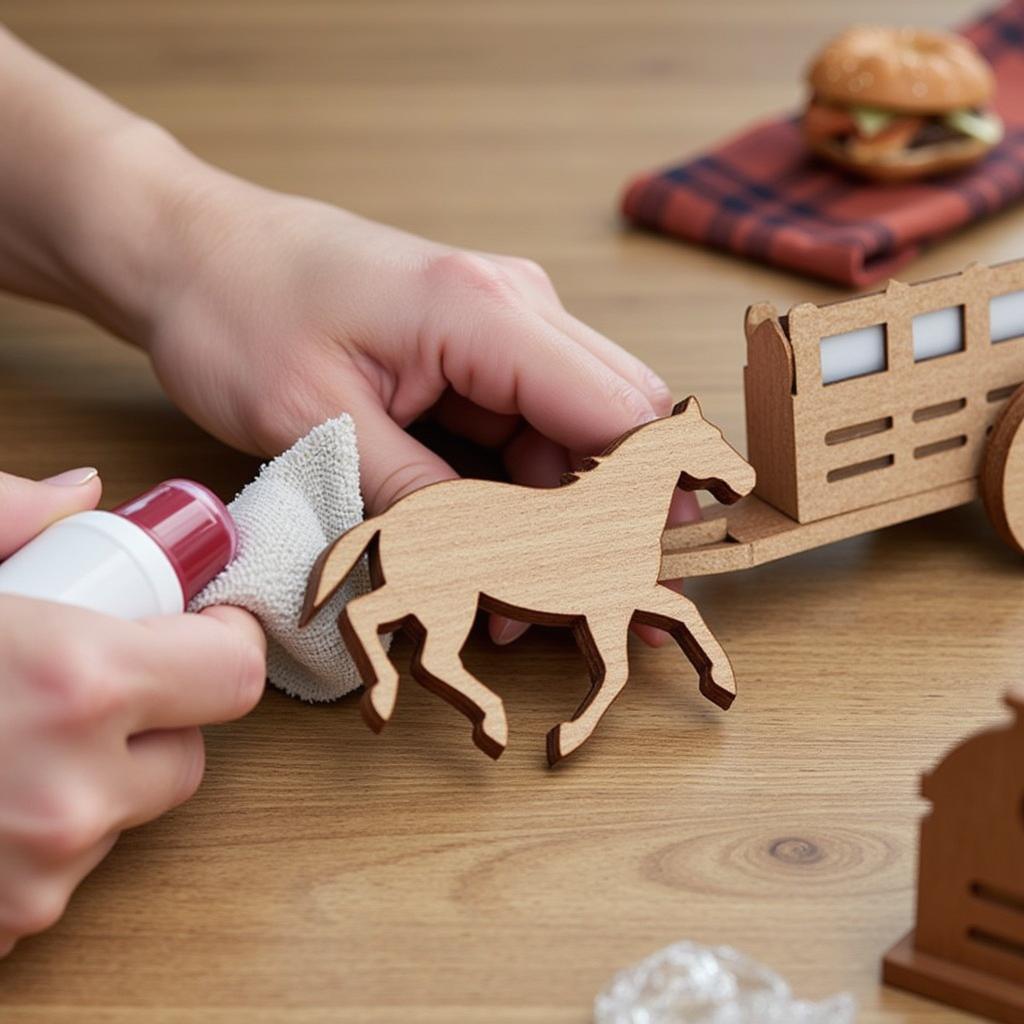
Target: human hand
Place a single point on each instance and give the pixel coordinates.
(99, 730)
(266, 314)
(275, 313)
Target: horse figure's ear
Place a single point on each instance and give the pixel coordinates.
(688, 405)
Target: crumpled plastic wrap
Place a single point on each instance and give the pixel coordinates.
(686, 983)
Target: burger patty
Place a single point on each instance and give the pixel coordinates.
(934, 131)
(827, 123)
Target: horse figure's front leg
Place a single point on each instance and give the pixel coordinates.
(678, 616)
(604, 645)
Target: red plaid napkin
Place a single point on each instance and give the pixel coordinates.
(762, 195)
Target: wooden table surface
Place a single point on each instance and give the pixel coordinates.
(327, 874)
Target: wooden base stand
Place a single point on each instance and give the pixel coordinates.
(951, 983)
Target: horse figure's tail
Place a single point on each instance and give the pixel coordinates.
(334, 565)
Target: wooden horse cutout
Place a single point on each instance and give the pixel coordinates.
(586, 555)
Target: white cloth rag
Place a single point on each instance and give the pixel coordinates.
(298, 503)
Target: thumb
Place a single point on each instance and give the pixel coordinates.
(28, 506)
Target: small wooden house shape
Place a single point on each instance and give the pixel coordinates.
(968, 945)
(870, 411)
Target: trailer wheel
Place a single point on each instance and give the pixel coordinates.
(1002, 472)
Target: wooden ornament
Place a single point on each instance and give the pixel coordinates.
(860, 414)
(872, 411)
(912, 420)
(967, 948)
(440, 553)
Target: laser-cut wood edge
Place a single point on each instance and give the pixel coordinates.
(794, 418)
(836, 460)
(449, 548)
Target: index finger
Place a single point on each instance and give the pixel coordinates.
(200, 669)
(513, 361)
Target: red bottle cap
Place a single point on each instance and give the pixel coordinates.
(191, 525)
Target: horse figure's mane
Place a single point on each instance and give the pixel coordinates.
(589, 464)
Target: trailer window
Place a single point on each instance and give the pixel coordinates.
(1006, 316)
(853, 354)
(939, 333)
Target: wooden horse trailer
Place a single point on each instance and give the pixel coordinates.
(871, 411)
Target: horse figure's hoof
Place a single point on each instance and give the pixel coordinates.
(377, 706)
(718, 694)
(490, 734)
(563, 740)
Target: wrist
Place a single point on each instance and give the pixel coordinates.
(90, 195)
(128, 201)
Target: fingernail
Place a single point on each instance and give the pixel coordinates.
(72, 477)
(644, 415)
(661, 390)
(508, 631)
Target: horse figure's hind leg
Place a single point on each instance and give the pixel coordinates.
(438, 666)
(604, 645)
(678, 616)
(359, 623)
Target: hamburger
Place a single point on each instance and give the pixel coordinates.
(895, 104)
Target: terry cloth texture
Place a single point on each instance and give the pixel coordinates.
(296, 505)
(763, 196)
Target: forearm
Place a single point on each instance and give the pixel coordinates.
(88, 192)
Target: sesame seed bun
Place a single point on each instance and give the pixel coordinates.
(901, 69)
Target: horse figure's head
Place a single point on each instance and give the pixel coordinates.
(708, 461)
(718, 467)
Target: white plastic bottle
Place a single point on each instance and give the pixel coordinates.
(149, 556)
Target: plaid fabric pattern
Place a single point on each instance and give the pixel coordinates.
(763, 196)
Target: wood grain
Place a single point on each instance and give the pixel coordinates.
(324, 874)
(756, 533)
(446, 550)
(929, 417)
(877, 450)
